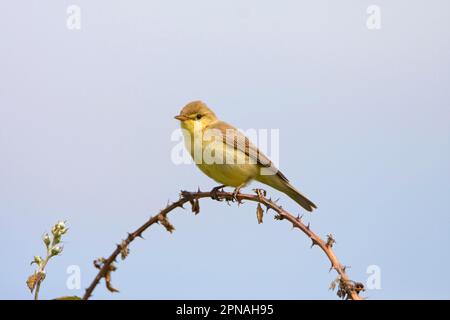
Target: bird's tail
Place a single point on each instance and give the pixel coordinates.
(279, 182)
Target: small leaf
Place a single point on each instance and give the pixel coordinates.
(195, 206)
(330, 241)
(259, 213)
(98, 263)
(34, 279)
(37, 260)
(335, 283)
(68, 298)
(165, 222)
(31, 282)
(124, 250)
(359, 287)
(108, 283)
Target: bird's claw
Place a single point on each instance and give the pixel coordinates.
(235, 198)
(214, 192)
(261, 194)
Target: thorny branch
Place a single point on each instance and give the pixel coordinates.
(347, 289)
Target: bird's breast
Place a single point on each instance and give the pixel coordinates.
(221, 162)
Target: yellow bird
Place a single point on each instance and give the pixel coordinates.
(233, 160)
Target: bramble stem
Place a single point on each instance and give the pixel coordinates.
(347, 288)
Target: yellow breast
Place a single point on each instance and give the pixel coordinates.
(219, 161)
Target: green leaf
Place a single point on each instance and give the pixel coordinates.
(69, 298)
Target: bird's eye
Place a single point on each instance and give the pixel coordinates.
(199, 116)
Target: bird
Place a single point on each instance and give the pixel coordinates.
(242, 162)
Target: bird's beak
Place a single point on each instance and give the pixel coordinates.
(181, 117)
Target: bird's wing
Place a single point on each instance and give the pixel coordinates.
(236, 139)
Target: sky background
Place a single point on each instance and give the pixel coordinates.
(86, 118)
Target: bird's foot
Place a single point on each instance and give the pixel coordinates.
(236, 193)
(214, 192)
(261, 193)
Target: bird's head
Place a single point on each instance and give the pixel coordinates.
(196, 116)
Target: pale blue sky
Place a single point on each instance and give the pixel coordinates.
(364, 116)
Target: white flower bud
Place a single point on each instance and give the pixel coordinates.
(56, 250)
(59, 229)
(46, 240)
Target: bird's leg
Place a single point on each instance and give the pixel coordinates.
(214, 191)
(236, 192)
(261, 194)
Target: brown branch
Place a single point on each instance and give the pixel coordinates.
(346, 287)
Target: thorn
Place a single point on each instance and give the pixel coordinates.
(308, 226)
(278, 217)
